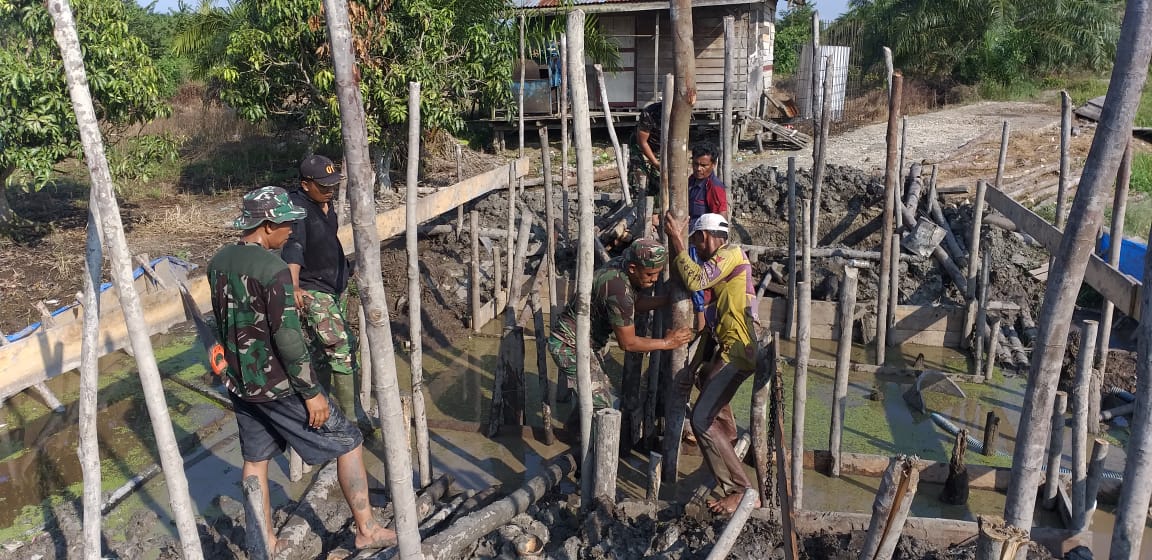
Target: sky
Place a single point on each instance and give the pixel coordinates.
(829, 9)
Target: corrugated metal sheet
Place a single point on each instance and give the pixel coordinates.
(838, 64)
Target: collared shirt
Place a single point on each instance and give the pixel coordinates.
(315, 247)
(731, 312)
(706, 196)
(258, 325)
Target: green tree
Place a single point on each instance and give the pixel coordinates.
(793, 31)
(37, 125)
(974, 40)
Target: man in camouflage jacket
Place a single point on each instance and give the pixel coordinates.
(269, 376)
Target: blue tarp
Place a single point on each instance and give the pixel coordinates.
(1131, 256)
(105, 286)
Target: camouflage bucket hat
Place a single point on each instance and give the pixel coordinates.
(647, 253)
(267, 204)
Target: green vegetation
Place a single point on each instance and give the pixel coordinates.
(1141, 172)
(793, 31)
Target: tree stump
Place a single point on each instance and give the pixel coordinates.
(956, 486)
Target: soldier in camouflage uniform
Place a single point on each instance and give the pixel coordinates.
(320, 279)
(614, 304)
(269, 376)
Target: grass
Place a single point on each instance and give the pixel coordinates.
(1141, 173)
(1080, 88)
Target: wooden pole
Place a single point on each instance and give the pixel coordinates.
(415, 321)
(606, 430)
(549, 218)
(398, 457)
(1055, 448)
(821, 155)
(815, 80)
(1095, 475)
(547, 396)
(890, 508)
(583, 130)
(998, 541)
(520, 110)
(956, 486)
(654, 461)
(991, 431)
(665, 124)
(726, 140)
(735, 525)
(1080, 394)
(1115, 237)
(474, 285)
(621, 160)
(893, 289)
(512, 276)
(981, 324)
(677, 176)
(256, 529)
(499, 299)
(1097, 379)
(365, 360)
(1003, 159)
(758, 424)
(565, 95)
(974, 261)
(1065, 156)
(459, 178)
(843, 363)
(790, 317)
(89, 448)
(121, 269)
(891, 175)
(899, 215)
(993, 341)
(800, 390)
(888, 69)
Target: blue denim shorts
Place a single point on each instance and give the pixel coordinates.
(266, 428)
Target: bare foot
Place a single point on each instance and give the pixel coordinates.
(728, 504)
(380, 537)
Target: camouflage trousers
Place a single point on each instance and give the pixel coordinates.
(565, 357)
(334, 349)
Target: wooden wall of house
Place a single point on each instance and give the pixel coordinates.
(708, 29)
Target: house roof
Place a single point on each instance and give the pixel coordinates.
(593, 6)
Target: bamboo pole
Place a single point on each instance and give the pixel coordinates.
(790, 317)
(583, 131)
(1080, 394)
(991, 431)
(415, 321)
(89, 448)
(891, 176)
(1095, 475)
(677, 177)
(1065, 146)
(998, 541)
(890, 508)
(822, 154)
(726, 140)
(843, 362)
(565, 95)
(621, 160)
(1115, 243)
(735, 525)
(474, 284)
(112, 229)
(1055, 448)
(398, 458)
(606, 430)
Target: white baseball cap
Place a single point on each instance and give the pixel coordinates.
(709, 222)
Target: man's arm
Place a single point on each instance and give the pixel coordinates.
(702, 276)
(642, 136)
(629, 342)
(288, 335)
(293, 254)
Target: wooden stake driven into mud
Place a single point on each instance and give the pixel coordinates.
(891, 176)
(415, 322)
(893, 288)
(974, 261)
(843, 362)
(890, 509)
(790, 316)
(89, 448)
(112, 229)
(758, 424)
(993, 349)
(677, 168)
(1082, 386)
(583, 130)
(800, 390)
(980, 326)
(900, 180)
(520, 94)
(818, 166)
(1095, 475)
(474, 283)
(366, 240)
(956, 488)
(549, 218)
(547, 395)
(1115, 243)
(1134, 48)
(621, 160)
(564, 140)
(1055, 448)
(1065, 156)
(998, 541)
(991, 431)
(606, 431)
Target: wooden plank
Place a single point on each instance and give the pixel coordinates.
(912, 318)
(1121, 289)
(50, 352)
